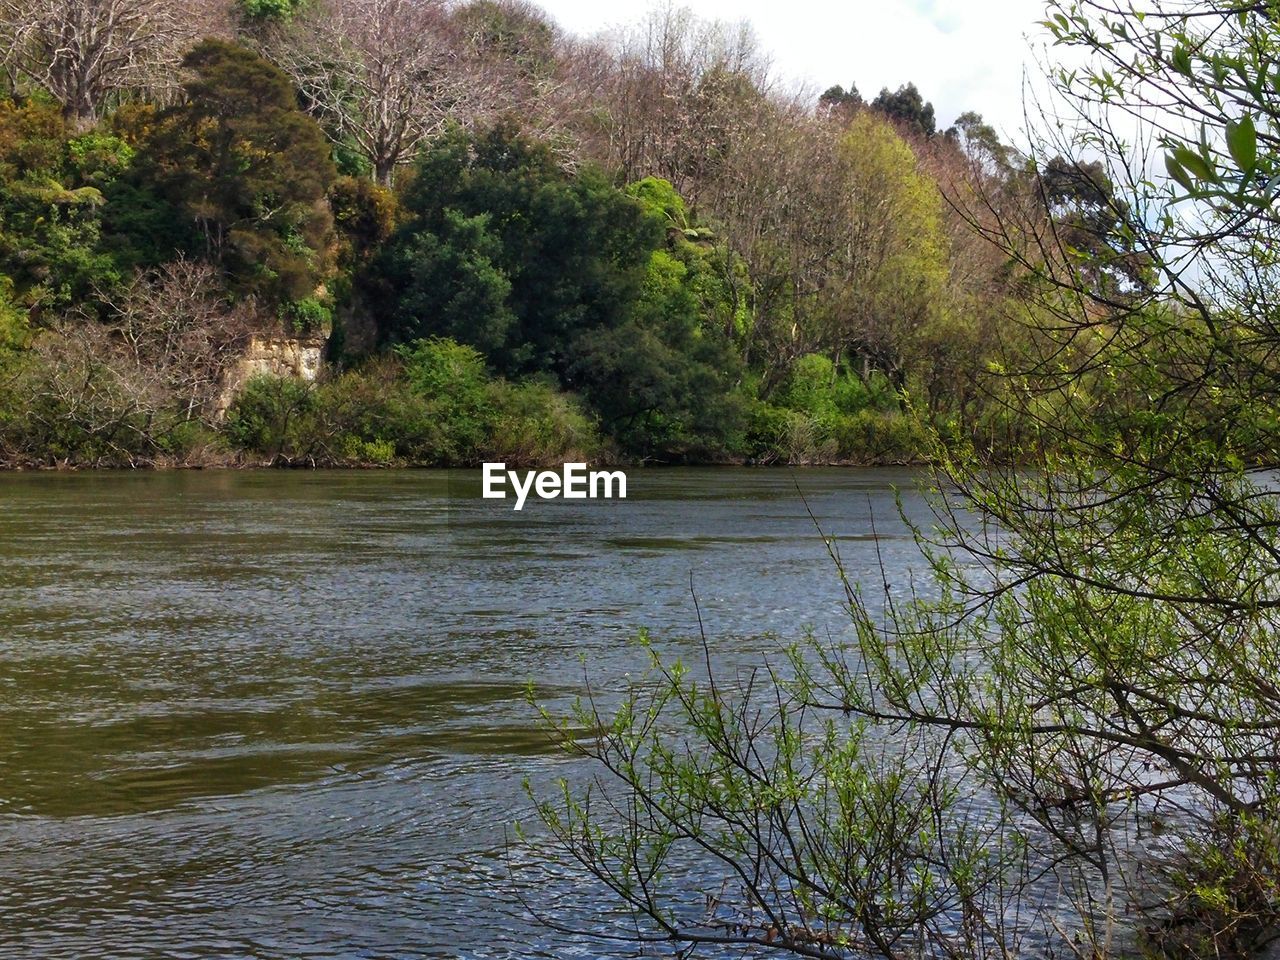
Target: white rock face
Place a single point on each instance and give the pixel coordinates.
(298, 357)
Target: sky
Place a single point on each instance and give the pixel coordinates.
(962, 54)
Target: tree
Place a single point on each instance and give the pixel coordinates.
(779, 251)
(892, 268)
(670, 102)
(512, 34)
(841, 101)
(384, 75)
(1089, 218)
(249, 170)
(906, 107)
(506, 251)
(140, 384)
(86, 51)
(1096, 650)
(664, 381)
(980, 142)
(52, 184)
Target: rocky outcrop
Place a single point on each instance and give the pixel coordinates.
(278, 356)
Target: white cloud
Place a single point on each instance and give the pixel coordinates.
(962, 54)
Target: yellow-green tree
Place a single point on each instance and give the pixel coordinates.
(891, 275)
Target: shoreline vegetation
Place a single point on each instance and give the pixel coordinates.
(524, 246)
(640, 248)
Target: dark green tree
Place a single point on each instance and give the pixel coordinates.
(841, 101)
(907, 107)
(506, 251)
(1092, 224)
(248, 171)
(665, 381)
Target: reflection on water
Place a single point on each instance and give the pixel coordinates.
(284, 714)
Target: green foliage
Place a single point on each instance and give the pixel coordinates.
(740, 773)
(272, 415)
(14, 332)
(663, 380)
(308, 315)
(906, 107)
(449, 282)
(364, 214)
(543, 272)
(510, 33)
(452, 378)
(431, 402)
(248, 170)
(541, 256)
(267, 10)
(51, 186)
(839, 100)
(533, 422)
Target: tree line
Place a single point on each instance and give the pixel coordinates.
(646, 246)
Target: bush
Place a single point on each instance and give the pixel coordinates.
(433, 403)
(535, 423)
(308, 315)
(809, 387)
(273, 416)
(765, 433)
(451, 377)
(874, 437)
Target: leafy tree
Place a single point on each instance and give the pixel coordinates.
(450, 284)
(248, 170)
(14, 335)
(1090, 221)
(51, 192)
(892, 271)
(840, 101)
(980, 141)
(511, 33)
(905, 106)
(364, 215)
(663, 380)
(561, 254)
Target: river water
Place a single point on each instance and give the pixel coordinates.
(283, 714)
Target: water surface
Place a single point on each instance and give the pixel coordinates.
(283, 714)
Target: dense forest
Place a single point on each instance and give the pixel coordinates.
(512, 243)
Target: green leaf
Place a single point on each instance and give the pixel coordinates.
(1195, 164)
(1177, 171)
(1181, 60)
(1242, 141)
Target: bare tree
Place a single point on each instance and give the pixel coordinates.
(384, 75)
(669, 105)
(123, 391)
(173, 328)
(85, 51)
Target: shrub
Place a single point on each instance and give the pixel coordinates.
(451, 377)
(432, 404)
(271, 416)
(536, 423)
(765, 433)
(870, 436)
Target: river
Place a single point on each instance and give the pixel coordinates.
(283, 714)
